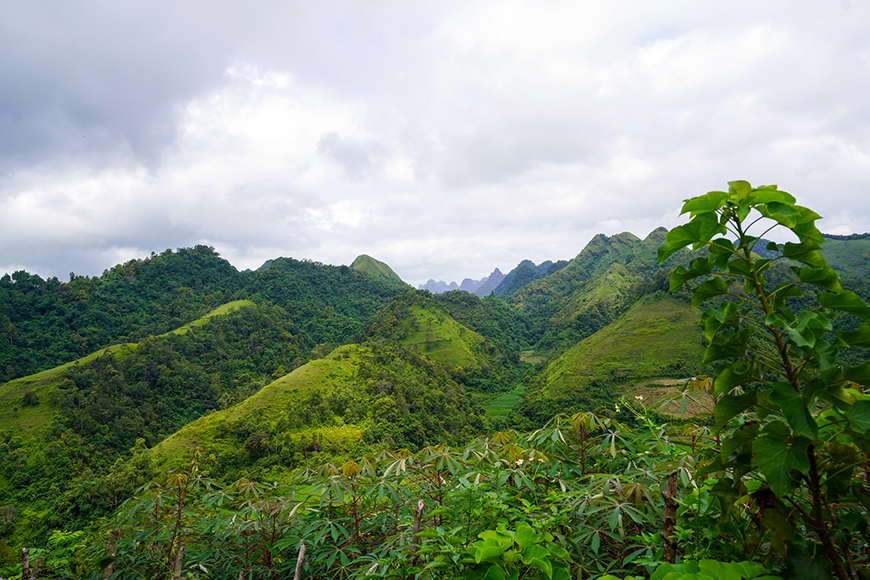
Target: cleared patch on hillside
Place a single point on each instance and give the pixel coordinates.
(211, 432)
(505, 402)
(651, 394)
(658, 337)
(444, 340)
(222, 310)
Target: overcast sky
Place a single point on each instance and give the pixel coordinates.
(444, 138)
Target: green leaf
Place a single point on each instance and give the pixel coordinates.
(804, 564)
(845, 301)
(721, 250)
(719, 570)
(738, 438)
(729, 406)
(709, 289)
(490, 548)
(824, 277)
(806, 252)
(776, 458)
(859, 374)
(782, 213)
(734, 375)
(697, 232)
(715, 319)
(698, 267)
(731, 344)
(859, 337)
(795, 407)
(525, 535)
(710, 202)
(494, 572)
(538, 556)
(859, 416)
(664, 569)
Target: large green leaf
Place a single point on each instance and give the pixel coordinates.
(734, 375)
(859, 416)
(824, 277)
(489, 548)
(859, 337)
(710, 202)
(698, 267)
(697, 232)
(525, 535)
(782, 213)
(715, 319)
(776, 458)
(845, 301)
(806, 252)
(730, 406)
(796, 409)
(539, 557)
(859, 374)
(711, 288)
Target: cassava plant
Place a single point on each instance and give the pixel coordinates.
(789, 412)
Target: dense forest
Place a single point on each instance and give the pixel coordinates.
(687, 405)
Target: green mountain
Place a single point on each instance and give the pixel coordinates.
(595, 287)
(659, 336)
(375, 268)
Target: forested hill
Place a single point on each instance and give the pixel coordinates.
(44, 323)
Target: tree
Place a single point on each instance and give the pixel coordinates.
(789, 411)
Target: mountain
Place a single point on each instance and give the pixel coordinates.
(659, 336)
(375, 268)
(525, 272)
(492, 281)
(438, 287)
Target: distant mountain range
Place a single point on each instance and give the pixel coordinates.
(502, 285)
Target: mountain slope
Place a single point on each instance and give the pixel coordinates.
(659, 336)
(32, 418)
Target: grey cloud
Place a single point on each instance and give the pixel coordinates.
(355, 158)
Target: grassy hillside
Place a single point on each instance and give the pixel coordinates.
(587, 294)
(214, 434)
(442, 339)
(657, 337)
(849, 257)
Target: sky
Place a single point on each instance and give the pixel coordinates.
(443, 138)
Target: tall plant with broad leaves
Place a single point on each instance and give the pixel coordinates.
(789, 412)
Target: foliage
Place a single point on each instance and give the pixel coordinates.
(791, 416)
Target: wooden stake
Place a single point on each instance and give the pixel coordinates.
(114, 534)
(669, 519)
(179, 560)
(418, 524)
(299, 561)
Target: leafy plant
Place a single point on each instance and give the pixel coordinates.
(790, 413)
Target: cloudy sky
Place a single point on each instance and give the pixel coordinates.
(444, 138)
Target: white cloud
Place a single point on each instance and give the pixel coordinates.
(445, 139)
